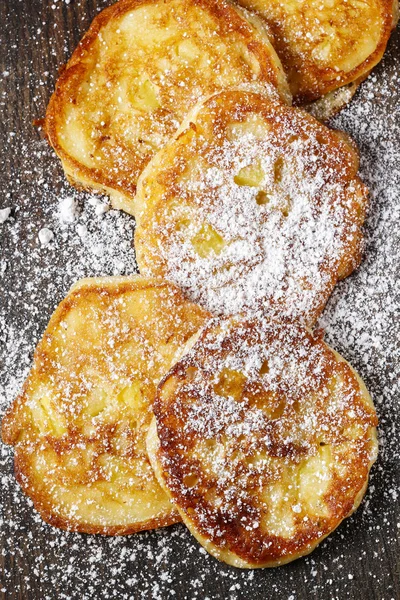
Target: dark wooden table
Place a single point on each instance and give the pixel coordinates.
(359, 561)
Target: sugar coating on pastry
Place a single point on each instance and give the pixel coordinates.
(263, 437)
(254, 207)
(80, 423)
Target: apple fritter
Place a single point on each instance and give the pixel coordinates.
(253, 207)
(136, 73)
(263, 437)
(324, 45)
(80, 423)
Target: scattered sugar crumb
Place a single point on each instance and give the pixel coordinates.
(45, 236)
(69, 210)
(101, 209)
(5, 214)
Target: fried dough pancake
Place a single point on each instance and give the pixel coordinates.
(80, 424)
(254, 207)
(325, 45)
(136, 73)
(263, 437)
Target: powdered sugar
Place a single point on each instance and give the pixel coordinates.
(5, 214)
(69, 210)
(45, 236)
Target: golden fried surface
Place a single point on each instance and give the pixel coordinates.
(80, 424)
(325, 44)
(142, 65)
(254, 207)
(265, 440)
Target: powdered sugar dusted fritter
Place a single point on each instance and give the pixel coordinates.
(142, 65)
(326, 44)
(254, 206)
(264, 437)
(80, 424)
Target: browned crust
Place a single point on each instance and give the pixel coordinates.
(14, 421)
(74, 71)
(227, 534)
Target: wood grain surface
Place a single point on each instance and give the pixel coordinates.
(359, 561)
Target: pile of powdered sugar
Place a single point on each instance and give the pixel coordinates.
(361, 321)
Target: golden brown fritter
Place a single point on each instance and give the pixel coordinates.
(326, 44)
(80, 424)
(253, 207)
(263, 437)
